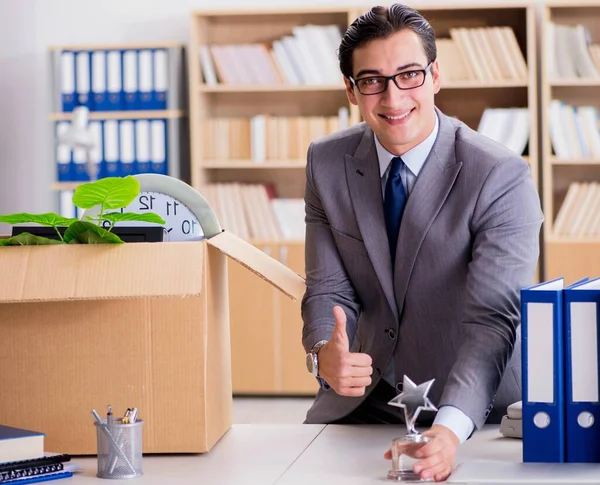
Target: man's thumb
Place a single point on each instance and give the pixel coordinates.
(341, 337)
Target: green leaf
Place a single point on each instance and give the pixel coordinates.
(27, 239)
(47, 219)
(109, 192)
(133, 216)
(82, 232)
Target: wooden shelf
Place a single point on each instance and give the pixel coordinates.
(486, 85)
(249, 164)
(281, 88)
(123, 115)
(125, 46)
(566, 255)
(65, 185)
(236, 104)
(578, 82)
(579, 161)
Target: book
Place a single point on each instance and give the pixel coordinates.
(20, 444)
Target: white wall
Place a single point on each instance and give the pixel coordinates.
(29, 27)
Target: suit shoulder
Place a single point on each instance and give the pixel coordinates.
(340, 142)
(473, 147)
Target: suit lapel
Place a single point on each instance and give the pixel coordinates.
(424, 202)
(364, 183)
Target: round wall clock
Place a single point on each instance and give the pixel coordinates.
(187, 213)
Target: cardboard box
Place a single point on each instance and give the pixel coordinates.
(137, 324)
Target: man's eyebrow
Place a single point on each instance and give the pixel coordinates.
(375, 72)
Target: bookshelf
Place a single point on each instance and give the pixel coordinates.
(228, 107)
(571, 138)
(135, 91)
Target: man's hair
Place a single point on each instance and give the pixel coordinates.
(381, 23)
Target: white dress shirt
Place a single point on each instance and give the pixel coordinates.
(414, 159)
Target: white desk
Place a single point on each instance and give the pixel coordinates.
(246, 455)
(336, 454)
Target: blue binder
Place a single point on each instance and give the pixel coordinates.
(111, 148)
(161, 78)
(130, 80)
(64, 155)
(146, 90)
(100, 99)
(83, 74)
(67, 80)
(114, 81)
(582, 423)
(142, 146)
(542, 363)
(159, 147)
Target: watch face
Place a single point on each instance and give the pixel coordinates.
(181, 223)
(311, 363)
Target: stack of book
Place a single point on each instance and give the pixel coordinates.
(23, 460)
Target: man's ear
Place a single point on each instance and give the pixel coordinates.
(435, 76)
(350, 91)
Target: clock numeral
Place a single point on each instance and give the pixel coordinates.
(106, 224)
(174, 205)
(147, 202)
(188, 227)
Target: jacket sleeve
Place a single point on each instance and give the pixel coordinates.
(505, 229)
(327, 283)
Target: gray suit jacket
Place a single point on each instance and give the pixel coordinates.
(450, 309)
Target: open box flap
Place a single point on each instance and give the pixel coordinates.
(269, 269)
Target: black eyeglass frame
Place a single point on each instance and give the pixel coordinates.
(391, 78)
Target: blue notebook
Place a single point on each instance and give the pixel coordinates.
(18, 444)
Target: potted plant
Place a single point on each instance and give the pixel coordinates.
(110, 194)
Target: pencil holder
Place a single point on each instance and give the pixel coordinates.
(119, 449)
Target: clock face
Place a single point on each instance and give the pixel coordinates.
(181, 223)
(187, 214)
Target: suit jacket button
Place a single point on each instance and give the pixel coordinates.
(399, 386)
(392, 334)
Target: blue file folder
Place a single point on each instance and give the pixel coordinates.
(582, 423)
(542, 359)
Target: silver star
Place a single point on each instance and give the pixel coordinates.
(413, 399)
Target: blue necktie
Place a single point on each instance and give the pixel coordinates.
(395, 199)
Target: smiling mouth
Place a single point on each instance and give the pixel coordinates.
(397, 117)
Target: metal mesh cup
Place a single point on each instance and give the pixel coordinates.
(119, 449)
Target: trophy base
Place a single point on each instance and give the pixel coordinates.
(404, 476)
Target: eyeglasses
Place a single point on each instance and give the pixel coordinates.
(403, 80)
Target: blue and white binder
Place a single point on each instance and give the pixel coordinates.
(111, 149)
(100, 101)
(158, 152)
(82, 79)
(142, 146)
(582, 424)
(130, 80)
(114, 80)
(96, 155)
(67, 80)
(64, 158)
(543, 383)
(161, 78)
(145, 80)
(126, 148)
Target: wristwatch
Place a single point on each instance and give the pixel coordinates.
(312, 359)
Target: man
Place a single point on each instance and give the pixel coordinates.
(420, 234)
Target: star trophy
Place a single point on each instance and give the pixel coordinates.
(413, 400)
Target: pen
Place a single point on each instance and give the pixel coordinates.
(109, 415)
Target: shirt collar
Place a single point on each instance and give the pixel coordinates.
(414, 158)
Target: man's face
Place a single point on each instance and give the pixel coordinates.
(401, 119)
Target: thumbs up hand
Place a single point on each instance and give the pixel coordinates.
(347, 373)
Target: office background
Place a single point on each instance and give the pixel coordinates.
(30, 27)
